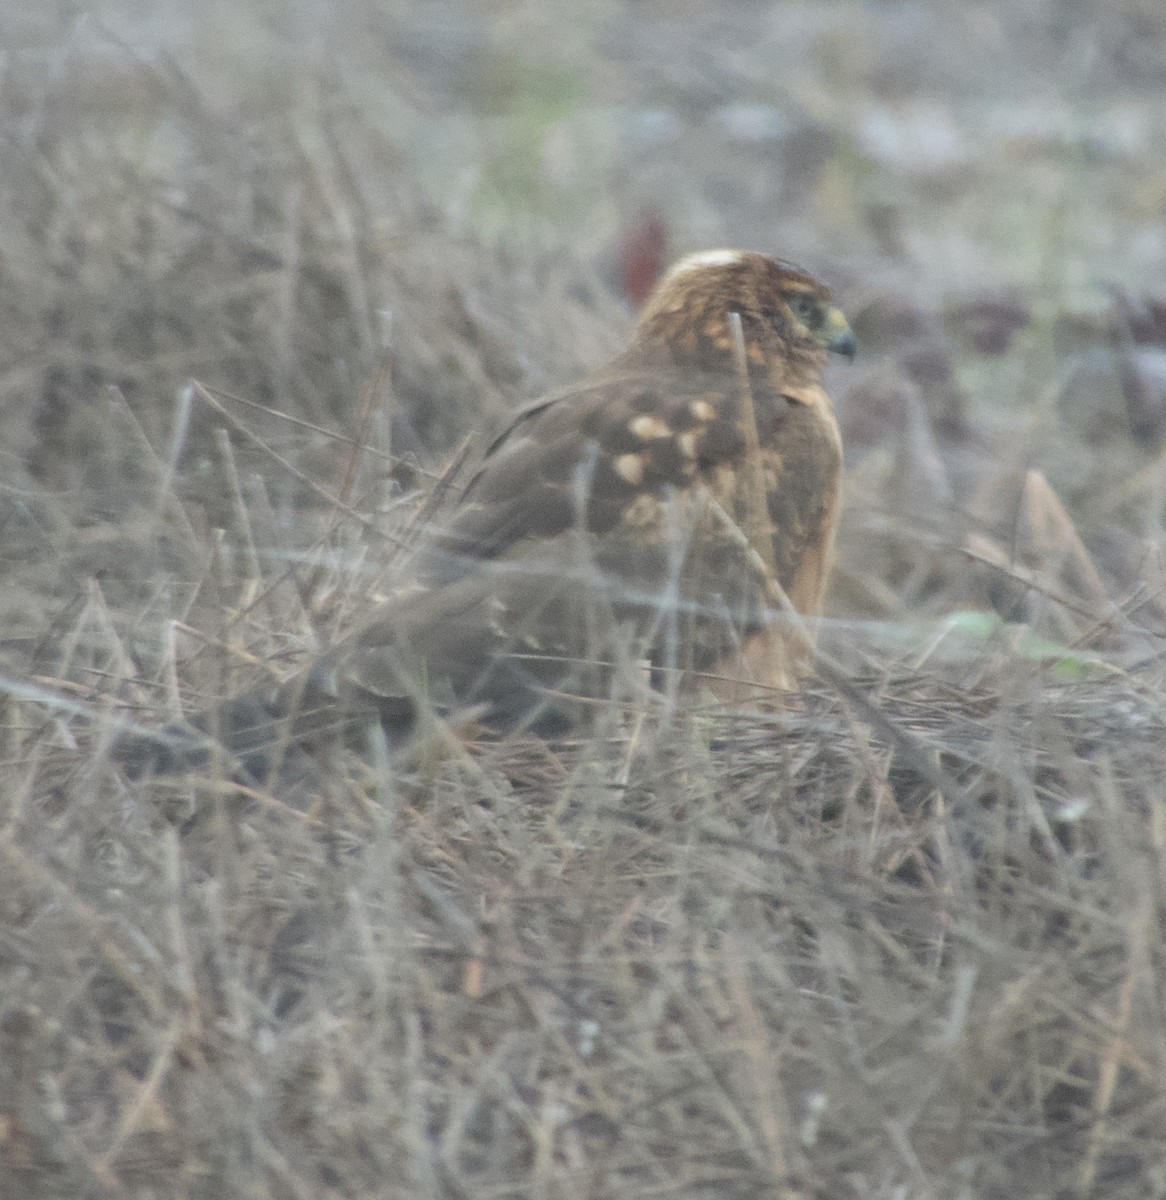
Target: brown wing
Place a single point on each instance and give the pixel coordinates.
(579, 459)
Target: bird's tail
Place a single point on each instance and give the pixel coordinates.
(250, 735)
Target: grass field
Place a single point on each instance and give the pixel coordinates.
(265, 268)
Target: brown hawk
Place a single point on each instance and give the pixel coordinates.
(606, 540)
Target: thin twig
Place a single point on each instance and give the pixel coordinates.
(755, 502)
(294, 472)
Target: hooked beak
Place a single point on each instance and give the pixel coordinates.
(839, 338)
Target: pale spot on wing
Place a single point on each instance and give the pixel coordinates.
(687, 444)
(647, 428)
(630, 468)
(702, 410)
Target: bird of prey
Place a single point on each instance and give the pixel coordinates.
(627, 531)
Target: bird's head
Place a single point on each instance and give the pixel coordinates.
(789, 320)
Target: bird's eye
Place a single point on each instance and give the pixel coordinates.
(804, 307)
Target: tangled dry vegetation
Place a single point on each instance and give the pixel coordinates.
(903, 939)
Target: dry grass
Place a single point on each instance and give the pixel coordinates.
(900, 940)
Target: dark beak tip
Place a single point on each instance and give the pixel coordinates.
(843, 344)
